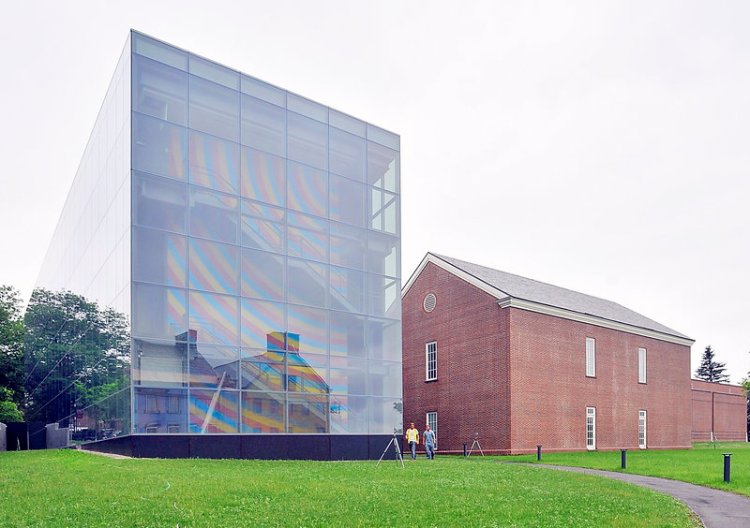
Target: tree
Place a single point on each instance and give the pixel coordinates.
(75, 352)
(11, 344)
(711, 370)
(9, 411)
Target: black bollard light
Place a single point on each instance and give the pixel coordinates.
(727, 465)
(465, 454)
(538, 453)
(623, 458)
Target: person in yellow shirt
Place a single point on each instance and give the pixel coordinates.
(412, 438)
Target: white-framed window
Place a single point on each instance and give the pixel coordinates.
(642, 429)
(430, 360)
(590, 357)
(641, 365)
(431, 420)
(590, 428)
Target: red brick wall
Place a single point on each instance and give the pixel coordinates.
(729, 412)
(471, 393)
(550, 390)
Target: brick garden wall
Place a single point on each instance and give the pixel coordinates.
(729, 405)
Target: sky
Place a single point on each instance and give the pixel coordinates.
(598, 146)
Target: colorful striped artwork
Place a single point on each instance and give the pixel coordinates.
(214, 317)
(176, 262)
(262, 275)
(258, 319)
(263, 177)
(213, 162)
(261, 375)
(307, 189)
(214, 411)
(262, 413)
(176, 311)
(312, 327)
(213, 216)
(213, 266)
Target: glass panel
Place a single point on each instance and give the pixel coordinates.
(159, 312)
(213, 367)
(160, 363)
(383, 254)
(263, 177)
(382, 167)
(349, 414)
(347, 289)
(214, 318)
(159, 203)
(348, 375)
(214, 72)
(347, 156)
(260, 373)
(262, 325)
(346, 122)
(263, 412)
(307, 282)
(347, 201)
(263, 90)
(213, 216)
(159, 90)
(213, 267)
(262, 227)
(214, 411)
(307, 237)
(347, 335)
(384, 339)
(389, 139)
(306, 107)
(384, 378)
(307, 189)
(384, 296)
(214, 109)
(159, 147)
(262, 275)
(386, 416)
(308, 414)
(263, 126)
(304, 374)
(159, 257)
(214, 163)
(311, 325)
(307, 140)
(348, 246)
(160, 411)
(159, 51)
(383, 211)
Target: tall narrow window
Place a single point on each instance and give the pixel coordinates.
(590, 428)
(642, 429)
(431, 361)
(431, 420)
(641, 365)
(590, 357)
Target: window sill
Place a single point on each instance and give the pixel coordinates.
(430, 380)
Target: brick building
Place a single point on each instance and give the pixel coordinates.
(719, 412)
(516, 363)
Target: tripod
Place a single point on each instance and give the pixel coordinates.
(393, 441)
(475, 444)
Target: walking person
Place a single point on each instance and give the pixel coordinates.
(412, 437)
(430, 442)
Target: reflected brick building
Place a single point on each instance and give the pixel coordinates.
(252, 237)
(521, 363)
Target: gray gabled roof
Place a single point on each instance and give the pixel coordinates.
(515, 287)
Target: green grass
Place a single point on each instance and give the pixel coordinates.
(69, 488)
(703, 465)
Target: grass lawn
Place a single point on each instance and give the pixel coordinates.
(704, 464)
(69, 488)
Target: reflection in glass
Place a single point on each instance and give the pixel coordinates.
(158, 311)
(306, 374)
(384, 378)
(263, 412)
(308, 413)
(263, 177)
(311, 325)
(384, 339)
(160, 411)
(347, 290)
(347, 334)
(262, 275)
(384, 296)
(383, 211)
(159, 363)
(159, 202)
(262, 227)
(307, 237)
(382, 167)
(307, 141)
(159, 147)
(214, 109)
(307, 189)
(259, 320)
(347, 155)
(214, 163)
(212, 366)
(348, 246)
(214, 318)
(214, 411)
(349, 378)
(349, 414)
(159, 257)
(386, 416)
(262, 374)
(263, 126)
(213, 216)
(159, 90)
(213, 266)
(262, 90)
(214, 72)
(307, 282)
(347, 201)
(383, 255)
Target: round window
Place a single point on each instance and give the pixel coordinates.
(429, 302)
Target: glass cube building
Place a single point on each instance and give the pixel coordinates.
(251, 239)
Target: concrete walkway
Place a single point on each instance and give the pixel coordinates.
(716, 508)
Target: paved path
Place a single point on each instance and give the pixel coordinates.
(716, 508)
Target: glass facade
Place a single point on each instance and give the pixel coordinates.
(260, 259)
